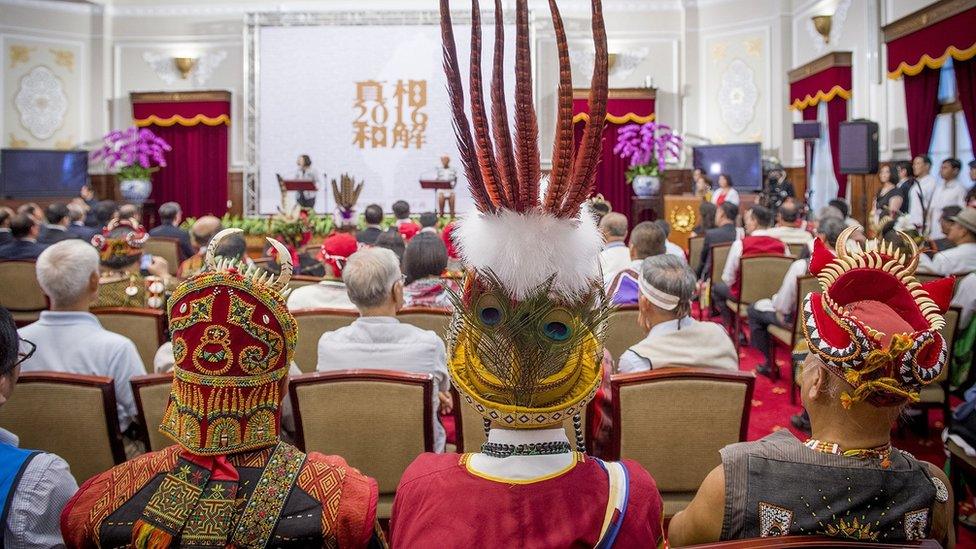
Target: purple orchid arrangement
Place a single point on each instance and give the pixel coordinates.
(134, 152)
(647, 147)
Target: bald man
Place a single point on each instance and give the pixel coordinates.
(202, 231)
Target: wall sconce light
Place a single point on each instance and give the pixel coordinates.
(185, 65)
(822, 24)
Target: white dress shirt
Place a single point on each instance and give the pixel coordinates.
(784, 301)
(328, 294)
(731, 195)
(386, 343)
(614, 257)
(946, 193)
(633, 362)
(76, 343)
(790, 235)
(675, 250)
(34, 512)
(957, 260)
(920, 197)
(965, 299)
(731, 270)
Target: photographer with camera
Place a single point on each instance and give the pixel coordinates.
(777, 188)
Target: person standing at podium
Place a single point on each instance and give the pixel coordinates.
(446, 173)
(306, 199)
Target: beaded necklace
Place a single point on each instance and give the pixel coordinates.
(498, 450)
(881, 453)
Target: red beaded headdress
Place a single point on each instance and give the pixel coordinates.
(233, 340)
(120, 240)
(874, 324)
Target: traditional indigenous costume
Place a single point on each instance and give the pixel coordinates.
(120, 247)
(877, 328)
(526, 340)
(346, 192)
(229, 481)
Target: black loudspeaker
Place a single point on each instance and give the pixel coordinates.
(858, 147)
(806, 130)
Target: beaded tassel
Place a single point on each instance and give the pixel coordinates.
(487, 426)
(578, 427)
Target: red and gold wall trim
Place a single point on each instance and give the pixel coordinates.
(927, 38)
(624, 105)
(823, 79)
(165, 109)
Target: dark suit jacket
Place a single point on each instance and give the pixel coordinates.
(50, 235)
(172, 231)
(21, 249)
(369, 235)
(83, 232)
(718, 235)
(6, 237)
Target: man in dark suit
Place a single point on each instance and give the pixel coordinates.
(56, 228)
(24, 244)
(76, 212)
(723, 232)
(373, 215)
(170, 217)
(5, 215)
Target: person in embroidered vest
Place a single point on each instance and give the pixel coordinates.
(527, 333)
(646, 240)
(873, 339)
(125, 280)
(424, 264)
(674, 338)
(757, 241)
(36, 485)
(229, 481)
(615, 254)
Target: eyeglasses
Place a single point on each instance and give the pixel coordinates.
(24, 355)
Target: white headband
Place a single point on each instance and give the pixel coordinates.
(662, 299)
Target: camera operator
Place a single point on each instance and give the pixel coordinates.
(777, 188)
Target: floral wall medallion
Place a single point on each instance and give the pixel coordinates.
(41, 102)
(738, 95)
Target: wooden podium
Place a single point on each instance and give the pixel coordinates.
(681, 212)
(293, 185)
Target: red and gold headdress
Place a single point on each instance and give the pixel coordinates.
(120, 242)
(233, 339)
(527, 337)
(874, 325)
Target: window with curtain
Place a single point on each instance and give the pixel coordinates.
(950, 136)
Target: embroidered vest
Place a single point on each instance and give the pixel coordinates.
(13, 461)
(757, 245)
(624, 289)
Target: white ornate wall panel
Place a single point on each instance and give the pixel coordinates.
(735, 76)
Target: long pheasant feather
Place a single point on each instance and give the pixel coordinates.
(462, 130)
(526, 125)
(504, 156)
(479, 118)
(562, 148)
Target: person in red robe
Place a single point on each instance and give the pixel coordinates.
(527, 334)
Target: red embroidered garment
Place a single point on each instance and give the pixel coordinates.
(758, 245)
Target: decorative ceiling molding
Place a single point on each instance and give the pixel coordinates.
(54, 5)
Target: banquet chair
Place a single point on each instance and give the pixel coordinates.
(312, 323)
(623, 330)
(20, 292)
(695, 244)
(144, 327)
(789, 337)
(936, 394)
(434, 319)
(660, 422)
(151, 393)
(961, 467)
(469, 427)
(720, 253)
(297, 281)
(760, 276)
(71, 415)
(797, 250)
(377, 420)
(166, 248)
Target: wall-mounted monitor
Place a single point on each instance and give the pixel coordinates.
(30, 173)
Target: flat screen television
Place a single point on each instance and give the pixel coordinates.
(28, 173)
(741, 161)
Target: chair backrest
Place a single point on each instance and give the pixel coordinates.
(166, 248)
(673, 421)
(152, 395)
(927, 277)
(695, 244)
(762, 275)
(805, 284)
(71, 415)
(145, 327)
(20, 291)
(297, 281)
(470, 427)
(791, 542)
(720, 253)
(796, 250)
(434, 319)
(312, 323)
(623, 330)
(378, 420)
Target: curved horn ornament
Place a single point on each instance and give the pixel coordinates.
(913, 258)
(284, 259)
(208, 259)
(841, 247)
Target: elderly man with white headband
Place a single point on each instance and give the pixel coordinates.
(674, 338)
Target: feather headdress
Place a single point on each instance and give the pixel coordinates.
(346, 192)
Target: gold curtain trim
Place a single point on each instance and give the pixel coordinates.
(809, 100)
(177, 119)
(629, 117)
(926, 62)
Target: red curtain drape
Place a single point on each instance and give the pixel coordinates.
(966, 84)
(195, 175)
(929, 47)
(836, 113)
(833, 86)
(922, 104)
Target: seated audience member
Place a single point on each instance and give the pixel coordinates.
(757, 241)
(671, 247)
(373, 216)
(33, 211)
(787, 226)
(725, 191)
(130, 211)
(330, 293)
(202, 231)
(105, 211)
(424, 263)
(778, 311)
(428, 222)
(845, 209)
(847, 480)
(724, 231)
(6, 214)
(170, 217)
(129, 278)
(706, 218)
(24, 245)
(56, 228)
(945, 222)
(646, 240)
(377, 339)
(87, 196)
(228, 480)
(961, 258)
(674, 338)
(36, 484)
(404, 225)
(615, 254)
(76, 213)
(68, 337)
(391, 240)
